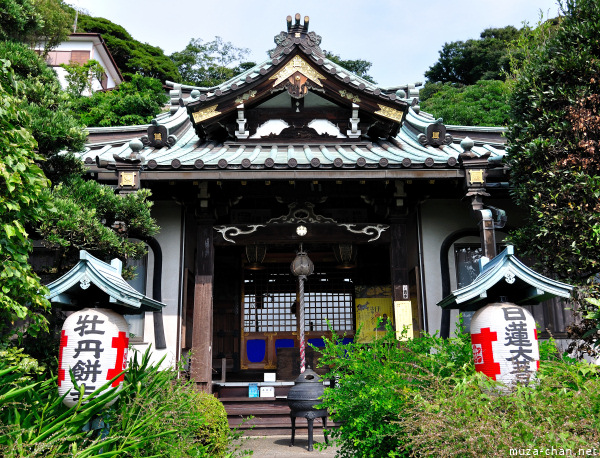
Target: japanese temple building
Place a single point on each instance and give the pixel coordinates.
(395, 208)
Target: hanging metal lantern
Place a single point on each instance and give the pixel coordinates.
(256, 255)
(345, 254)
(93, 345)
(302, 265)
(505, 345)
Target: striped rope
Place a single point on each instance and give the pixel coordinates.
(301, 279)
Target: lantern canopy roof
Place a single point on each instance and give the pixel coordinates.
(505, 276)
(94, 282)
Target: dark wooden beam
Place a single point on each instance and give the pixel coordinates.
(284, 234)
(201, 362)
(288, 174)
(399, 261)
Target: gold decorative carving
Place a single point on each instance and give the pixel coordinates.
(245, 96)
(127, 179)
(476, 176)
(206, 113)
(350, 96)
(390, 113)
(297, 64)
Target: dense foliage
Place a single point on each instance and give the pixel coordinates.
(131, 56)
(422, 397)
(554, 151)
(466, 62)
(35, 21)
(156, 414)
(39, 122)
(23, 202)
(133, 102)
(484, 103)
(52, 122)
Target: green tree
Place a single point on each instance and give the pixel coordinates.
(34, 21)
(53, 124)
(80, 77)
(131, 56)
(554, 155)
(23, 201)
(359, 67)
(210, 63)
(484, 103)
(137, 101)
(39, 124)
(466, 62)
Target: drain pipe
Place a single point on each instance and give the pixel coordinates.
(160, 342)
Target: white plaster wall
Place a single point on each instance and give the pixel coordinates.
(168, 217)
(440, 218)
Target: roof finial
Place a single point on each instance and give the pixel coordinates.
(289, 22)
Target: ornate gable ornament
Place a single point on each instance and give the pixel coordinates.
(233, 110)
(297, 34)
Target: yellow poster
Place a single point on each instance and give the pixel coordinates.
(404, 319)
(374, 311)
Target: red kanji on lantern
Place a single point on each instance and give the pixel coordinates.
(483, 353)
(121, 343)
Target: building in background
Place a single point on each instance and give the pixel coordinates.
(80, 48)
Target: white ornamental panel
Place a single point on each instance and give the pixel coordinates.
(504, 341)
(93, 344)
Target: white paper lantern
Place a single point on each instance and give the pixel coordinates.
(93, 344)
(504, 341)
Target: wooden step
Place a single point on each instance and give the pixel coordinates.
(269, 416)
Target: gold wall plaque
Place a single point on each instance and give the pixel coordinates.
(390, 113)
(206, 113)
(127, 179)
(476, 176)
(297, 64)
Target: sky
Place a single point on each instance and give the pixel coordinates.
(401, 38)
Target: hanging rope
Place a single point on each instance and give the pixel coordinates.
(301, 279)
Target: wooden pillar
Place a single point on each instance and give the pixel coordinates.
(202, 334)
(399, 264)
(398, 261)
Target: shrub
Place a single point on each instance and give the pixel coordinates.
(422, 397)
(157, 414)
(376, 381)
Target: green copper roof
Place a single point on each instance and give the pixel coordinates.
(402, 151)
(505, 276)
(93, 282)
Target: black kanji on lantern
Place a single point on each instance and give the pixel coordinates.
(82, 371)
(85, 322)
(516, 334)
(513, 313)
(94, 346)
